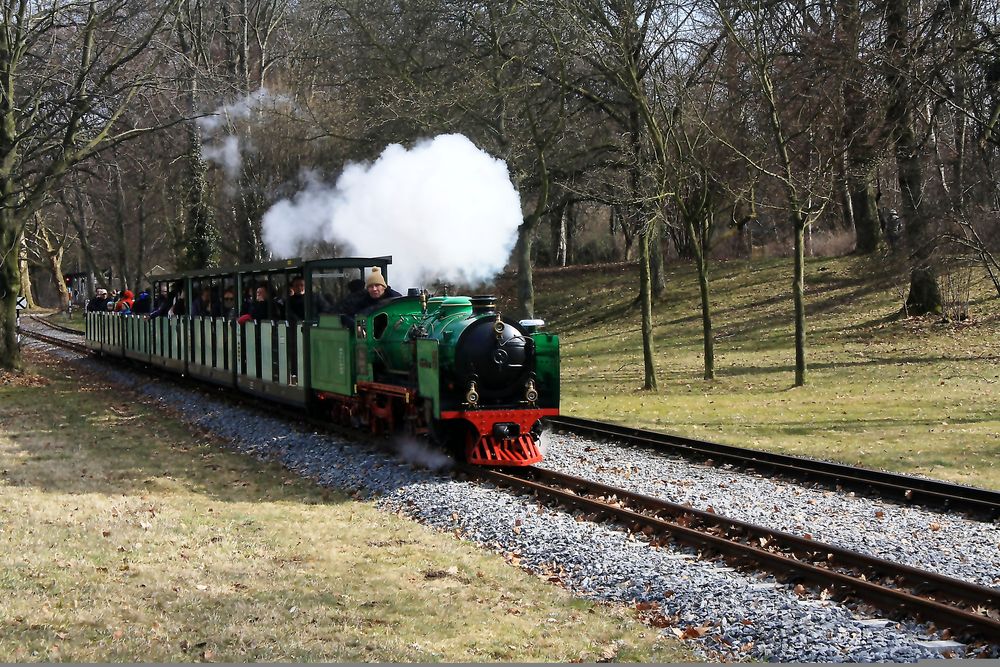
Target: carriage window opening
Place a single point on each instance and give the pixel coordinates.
(379, 325)
(329, 288)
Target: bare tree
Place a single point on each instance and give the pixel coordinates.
(68, 71)
(621, 42)
(862, 152)
(904, 98)
(762, 35)
(46, 244)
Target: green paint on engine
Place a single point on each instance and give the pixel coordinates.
(331, 348)
(401, 344)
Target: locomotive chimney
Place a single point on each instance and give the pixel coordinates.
(486, 303)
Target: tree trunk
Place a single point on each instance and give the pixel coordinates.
(867, 230)
(250, 211)
(799, 295)
(525, 283)
(201, 238)
(53, 262)
(10, 287)
(79, 221)
(860, 155)
(55, 267)
(561, 243)
(659, 270)
(121, 229)
(924, 295)
(646, 299)
(844, 193)
(25, 275)
(701, 262)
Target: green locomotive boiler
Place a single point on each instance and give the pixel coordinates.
(451, 368)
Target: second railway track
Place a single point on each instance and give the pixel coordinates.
(892, 486)
(967, 609)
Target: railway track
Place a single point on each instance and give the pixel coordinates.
(967, 609)
(55, 340)
(43, 320)
(891, 486)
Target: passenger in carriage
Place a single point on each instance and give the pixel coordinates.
(179, 307)
(205, 305)
(229, 310)
(143, 303)
(296, 307)
(124, 304)
(376, 290)
(99, 304)
(260, 308)
(162, 300)
(166, 302)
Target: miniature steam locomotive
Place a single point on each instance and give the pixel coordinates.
(451, 368)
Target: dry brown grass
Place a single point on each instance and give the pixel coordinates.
(126, 537)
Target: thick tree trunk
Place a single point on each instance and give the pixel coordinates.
(251, 210)
(79, 221)
(560, 236)
(924, 295)
(55, 268)
(121, 230)
(867, 230)
(860, 157)
(10, 287)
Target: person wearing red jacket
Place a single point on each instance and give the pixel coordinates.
(125, 304)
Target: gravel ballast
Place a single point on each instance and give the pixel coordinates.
(728, 615)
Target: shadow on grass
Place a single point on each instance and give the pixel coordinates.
(886, 361)
(81, 435)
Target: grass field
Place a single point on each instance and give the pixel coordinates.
(914, 395)
(124, 537)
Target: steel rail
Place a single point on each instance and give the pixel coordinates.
(892, 486)
(59, 342)
(737, 540)
(58, 327)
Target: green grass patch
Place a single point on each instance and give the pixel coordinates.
(126, 538)
(911, 395)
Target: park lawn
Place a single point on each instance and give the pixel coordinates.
(126, 537)
(913, 395)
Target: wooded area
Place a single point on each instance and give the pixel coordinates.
(137, 133)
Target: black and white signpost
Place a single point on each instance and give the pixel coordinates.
(22, 304)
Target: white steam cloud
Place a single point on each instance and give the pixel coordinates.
(445, 210)
(226, 151)
(421, 454)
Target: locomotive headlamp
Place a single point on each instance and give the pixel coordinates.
(472, 396)
(530, 393)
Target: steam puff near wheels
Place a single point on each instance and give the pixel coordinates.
(444, 209)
